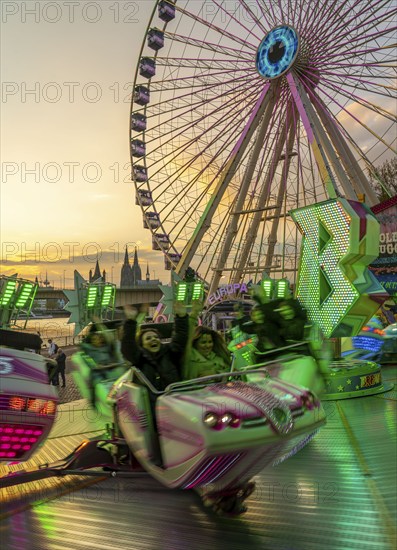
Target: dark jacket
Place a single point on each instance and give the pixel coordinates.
(276, 331)
(61, 360)
(164, 367)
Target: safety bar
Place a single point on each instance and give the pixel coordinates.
(215, 377)
(142, 378)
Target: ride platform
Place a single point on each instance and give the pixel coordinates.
(339, 492)
(354, 378)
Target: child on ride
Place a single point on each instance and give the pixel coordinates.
(160, 363)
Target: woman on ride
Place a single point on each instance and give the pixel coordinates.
(160, 363)
(207, 354)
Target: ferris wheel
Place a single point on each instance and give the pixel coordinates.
(245, 110)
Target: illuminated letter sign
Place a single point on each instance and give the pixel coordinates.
(227, 292)
(340, 239)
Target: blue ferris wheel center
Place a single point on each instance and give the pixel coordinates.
(277, 52)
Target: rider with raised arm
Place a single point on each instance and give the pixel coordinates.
(160, 363)
(206, 352)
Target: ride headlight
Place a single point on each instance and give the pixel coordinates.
(219, 422)
(211, 420)
(226, 419)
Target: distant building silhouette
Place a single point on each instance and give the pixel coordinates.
(97, 274)
(131, 275)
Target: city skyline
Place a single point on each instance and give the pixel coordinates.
(66, 195)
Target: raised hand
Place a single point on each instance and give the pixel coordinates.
(197, 308)
(179, 309)
(130, 312)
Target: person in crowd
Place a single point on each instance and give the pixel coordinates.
(52, 349)
(160, 363)
(60, 358)
(207, 354)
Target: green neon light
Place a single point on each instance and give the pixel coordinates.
(267, 286)
(282, 289)
(197, 292)
(107, 296)
(181, 292)
(8, 292)
(24, 295)
(92, 296)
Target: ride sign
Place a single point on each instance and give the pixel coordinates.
(224, 292)
(340, 239)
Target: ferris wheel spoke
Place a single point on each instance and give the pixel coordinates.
(238, 151)
(316, 16)
(364, 86)
(232, 18)
(355, 118)
(352, 52)
(205, 45)
(179, 173)
(195, 204)
(253, 15)
(378, 19)
(235, 85)
(197, 81)
(195, 106)
(336, 32)
(231, 114)
(207, 64)
(338, 81)
(215, 28)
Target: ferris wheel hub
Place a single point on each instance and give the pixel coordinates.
(277, 52)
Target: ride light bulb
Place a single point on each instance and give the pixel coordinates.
(226, 419)
(210, 420)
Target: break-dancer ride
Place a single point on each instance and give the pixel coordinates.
(213, 434)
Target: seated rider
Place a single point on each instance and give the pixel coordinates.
(276, 323)
(206, 352)
(100, 345)
(160, 363)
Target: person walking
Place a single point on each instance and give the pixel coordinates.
(61, 366)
